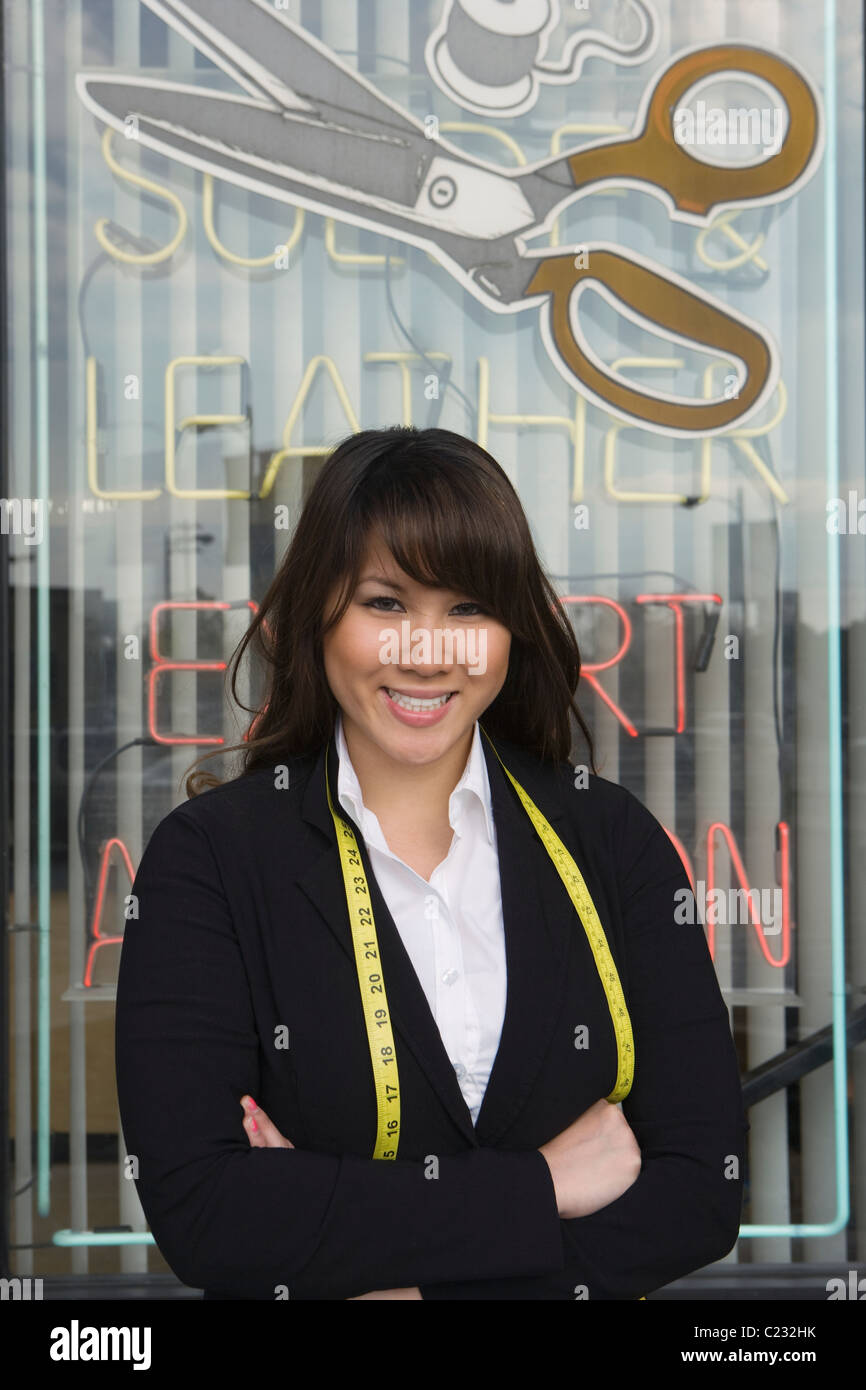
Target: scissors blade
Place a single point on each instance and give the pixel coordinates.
(310, 131)
(396, 183)
(271, 56)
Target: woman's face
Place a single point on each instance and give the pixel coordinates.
(394, 637)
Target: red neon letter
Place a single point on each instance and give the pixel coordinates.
(97, 939)
(162, 665)
(674, 601)
(587, 668)
(739, 869)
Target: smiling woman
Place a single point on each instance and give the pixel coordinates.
(486, 1062)
(417, 524)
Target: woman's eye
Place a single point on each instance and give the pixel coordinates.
(380, 598)
(389, 598)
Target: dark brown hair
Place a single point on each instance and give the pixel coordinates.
(451, 519)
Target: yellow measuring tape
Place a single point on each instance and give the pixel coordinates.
(585, 908)
(377, 1016)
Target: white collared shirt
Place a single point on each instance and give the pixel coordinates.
(451, 926)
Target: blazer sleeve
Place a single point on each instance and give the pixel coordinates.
(248, 1222)
(685, 1106)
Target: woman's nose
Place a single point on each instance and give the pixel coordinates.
(432, 646)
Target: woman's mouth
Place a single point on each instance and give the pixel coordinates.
(415, 710)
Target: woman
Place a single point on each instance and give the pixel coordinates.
(367, 1045)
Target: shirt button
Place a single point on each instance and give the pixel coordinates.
(459, 1070)
(450, 976)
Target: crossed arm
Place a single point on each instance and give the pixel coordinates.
(188, 1049)
(263, 1134)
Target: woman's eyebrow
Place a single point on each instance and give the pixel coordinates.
(392, 583)
(380, 579)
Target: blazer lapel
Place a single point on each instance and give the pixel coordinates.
(537, 915)
(539, 918)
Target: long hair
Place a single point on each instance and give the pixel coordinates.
(450, 517)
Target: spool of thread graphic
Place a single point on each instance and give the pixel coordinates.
(483, 52)
(490, 55)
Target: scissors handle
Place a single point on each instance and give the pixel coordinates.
(668, 305)
(655, 157)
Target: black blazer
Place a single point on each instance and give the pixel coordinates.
(243, 931)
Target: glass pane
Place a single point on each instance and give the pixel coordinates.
(661, 344)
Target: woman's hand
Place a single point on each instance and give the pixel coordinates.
(387, 1293)
(260, 1129)
(594, 1161)
(263, 1134)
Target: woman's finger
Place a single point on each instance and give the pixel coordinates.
(255, 1136)
(260, 1128)
(404, 1294)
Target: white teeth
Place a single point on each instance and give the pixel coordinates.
(406, 702)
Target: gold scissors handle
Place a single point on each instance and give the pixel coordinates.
(667, 303)
(655, 157)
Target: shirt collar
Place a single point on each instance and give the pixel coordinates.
(474, 782)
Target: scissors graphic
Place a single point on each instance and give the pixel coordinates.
(308, 130)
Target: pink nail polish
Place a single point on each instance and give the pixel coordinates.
(255, 1126)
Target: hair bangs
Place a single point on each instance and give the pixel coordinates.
(424, 510)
